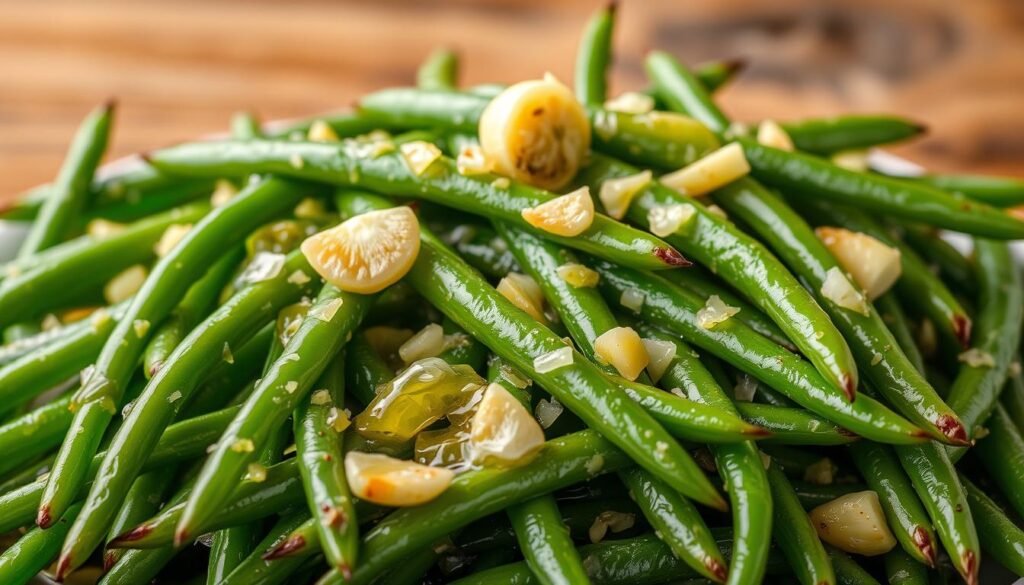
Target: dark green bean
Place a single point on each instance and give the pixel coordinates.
(996, 191)
(545, 542)
(794, 426)
(142, 501)
(594, 56)
(890, 310)
(230, 375)
(1002, 454)
(1000, 536)
(849, 132)
(442, 183)
(1013, 398)
(848, 572)
(69, 194)
(795, 535)
(813, 495)
(34, 433)
(35, 550)
(954, 267)
(256, 570)
(365, 369)
(902, 569)
(906, 516)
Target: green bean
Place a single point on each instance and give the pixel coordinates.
(180, 442)
(891, 312)
(22, 347)
(545, 542)
(917, 285)
(739, 464)
(902, 569)
(876, 350)
(850, 132)
(34, 551)
(733, 342)
(1002, 454)
(346, 124)
(482, 248)
(442, 184)
(319, 446)
(1000, 536)
(702, 284)
(466, 350)
(365, 370)
(1013, 398)
(794, 426)
(953, 266)
(997, 333)
(475, 494)
(20, 331)
(996, 191)
(936, 483)
(303, 540)
(28, 474)
(906, 516)
(813, 495)
(439, 71)
(677, 523)
(245, 126)
(847, 571)
(64, 273)
(746, 265)
(594, 56)
(795, 535)
(33, 434)
(142, 501)
(70, 192)
(255, 569)
(289, 381)
(238, 370)
(197, 303)
(165, 394)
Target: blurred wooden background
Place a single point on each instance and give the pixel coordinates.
(180, 68)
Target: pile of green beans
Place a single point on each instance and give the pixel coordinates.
(209, 401)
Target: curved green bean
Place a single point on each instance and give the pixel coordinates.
(1000, 536)
(142, 501)
(35, 550)
(795, 535)
(850, 132)
(902, 569)
(34, 433)
(1002, 454)
(594, 56)
(545, 542)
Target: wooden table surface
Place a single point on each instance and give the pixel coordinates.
(179, 69)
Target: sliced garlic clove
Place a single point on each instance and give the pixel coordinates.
(394, 482)
(769, 133)
(874, 265)
(624, 350)
(502, 431)
(536, 132)
(838, 289)
(367, 253)
(523, 292)
(426, 343)
(715, 170)
(125, 284)
(616, 194)
(566, 215)
(854, 523)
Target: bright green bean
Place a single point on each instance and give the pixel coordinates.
(849, 132)
(439, 71)
(545, 542)
(795, 535)
(594, 56)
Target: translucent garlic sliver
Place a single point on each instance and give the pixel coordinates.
(665, 220)
(502, 430)
(471, 161)
(873, 265)
(623, 349)
(715, 170)
(769, 133)
(325, 311)
(632, 299)
(523, 292)
(610, 520)
(578, 275)
(419, 155)
(837, 288)
(223, 192)
(630, 102)
(977, 358)
(553, 360)
(854, 523)
(427, 342)
(171, 237)
(660, 353)
(745, 388)
(566, 215)
(851, 160)
(263, 266)
(103, 228)
(320, 131)
(821, 472)
(548, 411)
(394, 482)
(125, 284)
(616, 194)
(715, 311)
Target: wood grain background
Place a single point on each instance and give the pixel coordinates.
(181, 68)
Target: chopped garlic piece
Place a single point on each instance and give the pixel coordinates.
(298, 277)
(226, 354)
(326, 311)
(874, 266)
(745, 388)
(821, 472)
(171, 237)
(501, 183)
(338, 419)
(837, 288)
(320, 131)
(243, 446)
(661, 353)
(715, 170)
(426, 343)
(320, 398)
(715, 311)
(103, 228)
(632, 299)
(769, 133)
(616, 194)
(854, 523)
(578, 275)
(566, 215)
(523, 292)
(630, 102)
(622, 348)
(387, 481)
(610, 520)
(665, 220)
(471, 161)
(223, 192)
(553, 360)
(125, 284)
(310, 207)
(419, 155)
(51, 322)
(141, 327)
(977, 358)
(291, 386)
(502, 431)
(263, 266)
(256, 473)
(548, 411)
(851, 160)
